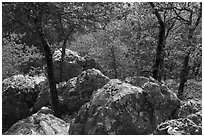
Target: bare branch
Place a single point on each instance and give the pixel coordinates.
(180, 18)
(169, 29)
(156, 13)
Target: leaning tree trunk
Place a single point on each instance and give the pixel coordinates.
(159, 61)
(51, 77)
(183, 76)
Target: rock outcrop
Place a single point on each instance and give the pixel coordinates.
(121, 108)
(73, 65)
(18, 96)
(41, 123)
(75, 92)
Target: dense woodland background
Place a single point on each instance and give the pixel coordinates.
(162, 40)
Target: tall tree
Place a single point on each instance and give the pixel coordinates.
(191, 19)
(158, 65)
(35, 17)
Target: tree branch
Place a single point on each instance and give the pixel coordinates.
(156, 13)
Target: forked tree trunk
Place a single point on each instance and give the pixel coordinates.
(159, 61)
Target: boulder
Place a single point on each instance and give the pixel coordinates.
(40, 123)
(117, 108)
(73, 65)
(18, 96)
(162, 100)
(181, 126)
(86, 83)
(121, 108)
(70, 67)
(43, 98)
(75, 92)
(88, 63)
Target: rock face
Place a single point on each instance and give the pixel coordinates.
(86, 83)
(73, 65)
(19, 95)
(76, 91)
(41, 123)
(121, 108)
(182, 126)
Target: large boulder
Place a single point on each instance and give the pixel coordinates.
(86, 83)
(181, 126)
(43, 98)
(75, 92)
(121, 108)
(70, 66)
(73, 64)
(40, 123)
(18, 96)
(163, 101)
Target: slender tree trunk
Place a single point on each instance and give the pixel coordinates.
(64, 48)
(114, 63)
(184, 75)
(51, 77)
(62, 58)
(159, 61)
(185, 68)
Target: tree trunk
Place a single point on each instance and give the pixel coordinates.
(159, 61)
(64, 48)
(62, 58)
(114, 63)
(51, 77)
(183, 76)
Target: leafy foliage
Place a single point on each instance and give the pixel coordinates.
(18, 58)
